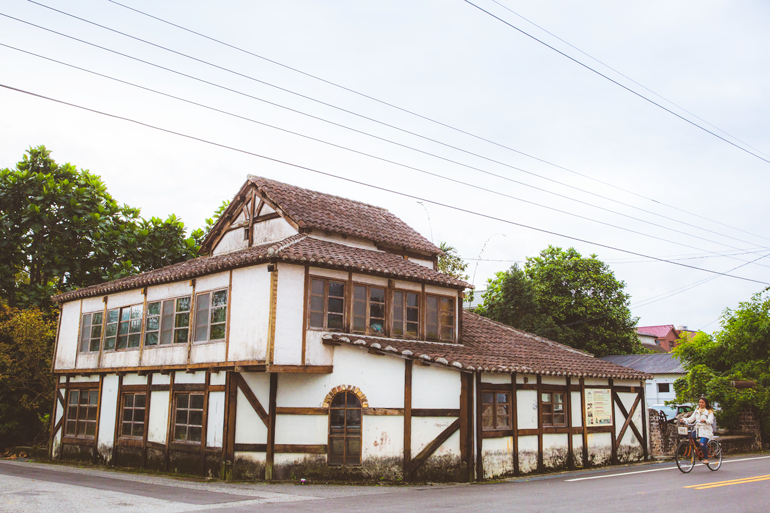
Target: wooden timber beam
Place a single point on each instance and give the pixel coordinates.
(432, 446)
(253, 401)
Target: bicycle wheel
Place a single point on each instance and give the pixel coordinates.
(685, 456)
(715, 455)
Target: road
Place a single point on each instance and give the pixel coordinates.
(742, 484)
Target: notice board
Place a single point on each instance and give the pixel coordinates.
(598, 407)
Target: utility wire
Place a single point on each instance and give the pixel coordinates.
(371, 186)
(459, 130)
(435, 175)
(622, 75)
(618, 83)
(383, 124)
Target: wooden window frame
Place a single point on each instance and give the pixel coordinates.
(345, 436)
(91, 327)
(174, 328)
(439, 325)
(78, 410)
(325, 313)
(120, 321)
(550, 405)
(368, 309)
(405, 309)
(209, 325)
(187, 424)
(132, 422)
(668, 388)
(495, 404)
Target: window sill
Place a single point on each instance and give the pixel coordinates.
(164, 346)
(205, 342)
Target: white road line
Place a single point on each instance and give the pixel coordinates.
(655, 470)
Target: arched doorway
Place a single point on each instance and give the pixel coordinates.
(344, 429)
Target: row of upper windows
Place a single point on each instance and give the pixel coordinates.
(163, 323)
(376, 310)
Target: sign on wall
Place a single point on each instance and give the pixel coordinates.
(598, 407)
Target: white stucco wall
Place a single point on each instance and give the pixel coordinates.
(212, 282)
(249, 314)
(158, 419)
(435, 387)
(301, 429)
(497, 454)
(208, 352)
(383, 436)
(271, 231)
(526, 409)
(68, 335)
(216, 419)
(289, 315)
(249, 428)
(198, 377)
(316, 353)
(169, 290)
(164, 355)
(107, 415)
(496, 378)
(131, 379)
(231, 241)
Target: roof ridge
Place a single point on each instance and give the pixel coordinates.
(251, 178)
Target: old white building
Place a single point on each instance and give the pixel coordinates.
(318, 340)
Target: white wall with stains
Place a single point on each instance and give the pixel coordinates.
(107, 415)
(249, 314)
(289, 315)
(497, 454)
(158, 418)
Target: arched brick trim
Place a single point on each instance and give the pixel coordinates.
(346, 388)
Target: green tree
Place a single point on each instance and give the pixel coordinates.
(568, 298)
(739, 351)
(61, 229)
(451, 262)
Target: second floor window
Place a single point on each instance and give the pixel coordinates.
(327, 304)
(124, 328)
(211, 316)
(440, 318)
(406, 314)
(369, 309)
(91, 331)
(167, 322)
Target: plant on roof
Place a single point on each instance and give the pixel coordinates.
(451, 262)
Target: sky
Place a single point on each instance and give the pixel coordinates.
(490, 140)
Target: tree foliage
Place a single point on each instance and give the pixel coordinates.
(739, 351)
(61, 230)
(451, 262)
(565, 297)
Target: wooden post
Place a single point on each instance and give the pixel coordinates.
(568, 413)
(612, 411)
(479, 437)
(515, 423)
(585, 427)
(306, 297)
(95, 449)
(228, 435)
(65, 412)
(148, 396)
(270, 456)
(466, 421)
(643, 392)
(407, 419)
(539, 425)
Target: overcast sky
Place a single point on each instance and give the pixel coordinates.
(614, 169)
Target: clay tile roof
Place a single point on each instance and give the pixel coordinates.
(494, 347)
(296, 249)
(325, 212)
(655, 331)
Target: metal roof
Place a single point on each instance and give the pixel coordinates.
(662, 363)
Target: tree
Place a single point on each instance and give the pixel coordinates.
(451, 262)
(739, 351)
(565, 297)
(61, 230)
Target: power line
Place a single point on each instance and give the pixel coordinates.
(371, 186)
(621, 74)
(618, 83)
(390, 125)
(459, 130)
(429, 173)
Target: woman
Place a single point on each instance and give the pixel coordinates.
(703, 418)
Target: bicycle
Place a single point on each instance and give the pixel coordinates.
(687, 450)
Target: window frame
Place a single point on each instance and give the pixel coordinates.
(495, 403)
(368, 309)
(667, 390)
(117, 336)
(132, 421)
(174, 328)
(550, 403)
(405, 310)
(439, 325)
(345, 436)
(187, 424)
(209, 313)
(345, 292)
(91, 326)
(78, 409)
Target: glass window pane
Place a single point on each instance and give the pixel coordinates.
(135, 326)
(502, 398)
(126, 431)
(183, 304)
(377, 310)
(354, 451)
(109, 343)
(151, 339)
(336, 450)
(411, 329)
(338, 401)
(335, 321)
(96, 319)
(201, 333)
(377, 295)
(337, 288)
(165, 336)
(180, 433)
(217, 315)
(93, 397)
(128, 415)
(546, 398)
(91, 414)
(196, 418)
(398, 302)
(94, 345)
(111, 330)
(354, 419)
(217, 332)
(138, 429)
(336, 305)
(153, 323)
(411, 300)
(123, 328)
(359, 323)
(125, 314)
(447, 333)
(182, 400)
(412, 314)
(181, 417)
(182, 320)
(140, 400)
(317, 303)
(359, 293)
(128, 400)
(220, 298)
(202, 302)
(316, 320)
(134, 339)
(180, 336)
(74, 397)
(112, 315)
(317, 287)
(153, 308)
(90, 428)
(194, 434)
(136, 312)
(558, 419)
(196, 401)
(359, 309)
(487, 397)
(353, 401)
(70, 427)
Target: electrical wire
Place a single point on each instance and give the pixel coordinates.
(459, 130)
(371, 186)
(396, 128)
(618, 83)
(379, 138)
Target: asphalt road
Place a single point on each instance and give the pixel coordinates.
(741, 485)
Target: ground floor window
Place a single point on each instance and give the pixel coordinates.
(82, 407)
(553, 409)
(345, 430)
(188, 417)
(495, 410)
(133, 415)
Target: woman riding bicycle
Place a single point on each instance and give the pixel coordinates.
(703, 418)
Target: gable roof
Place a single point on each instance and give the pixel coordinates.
(311, 210)
(493, 347)
(661, 363)
(302, 249)
(656, 331)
